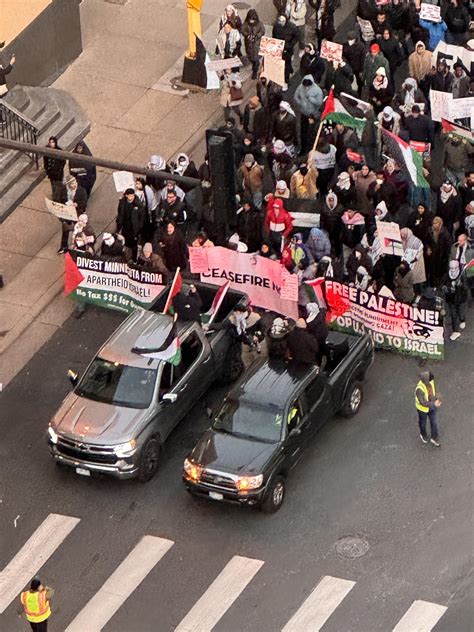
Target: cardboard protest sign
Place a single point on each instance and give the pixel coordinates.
(392, 325)
(123, 180)
(115, 285)
(274, 69)
(260, 278)
(430, 12)
(366, 29)
(452, 53)
(272, 47)
(390, 239)
(460, 108)
(62, 211)
(331, 51)
(439, 102)
(223, 64)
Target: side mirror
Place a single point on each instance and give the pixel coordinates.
(169, 398)
(73, 377)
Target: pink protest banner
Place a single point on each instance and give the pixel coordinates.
(198, 259)
(260, 278)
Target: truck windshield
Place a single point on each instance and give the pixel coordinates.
(119, 384)
(246, 419)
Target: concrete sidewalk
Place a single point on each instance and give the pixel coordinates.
(121, 80)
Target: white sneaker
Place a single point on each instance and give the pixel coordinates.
(462, 325)
(455, 335)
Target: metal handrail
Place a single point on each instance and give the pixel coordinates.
(16, 126)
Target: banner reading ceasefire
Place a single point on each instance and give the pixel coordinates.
(92, 279)
(266, 282)
(391, 324)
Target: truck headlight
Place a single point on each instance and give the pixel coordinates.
(52, 435)
(125, 449)
(244, 483)
(193, 471)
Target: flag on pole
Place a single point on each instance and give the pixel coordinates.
(409, 160)
(174, 290)
(330, 105)
(314, 291)
(335, 112)
(458, 130)
(168, 351)
(209, 316)
(469, 268)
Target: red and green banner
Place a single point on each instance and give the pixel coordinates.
(112, 284)
(392, 325)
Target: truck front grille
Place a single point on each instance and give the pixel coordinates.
(86, 452)
(217, 480)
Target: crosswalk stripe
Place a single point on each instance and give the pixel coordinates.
(421, 616)
(33, 555)
(220, 595)
(320, 605)
(120, 585)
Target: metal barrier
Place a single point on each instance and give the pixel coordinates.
(17, 127)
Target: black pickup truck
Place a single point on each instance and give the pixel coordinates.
(268, 418)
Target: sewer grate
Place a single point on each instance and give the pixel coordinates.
(350, 547)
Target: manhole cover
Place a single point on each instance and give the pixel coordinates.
(351, 547)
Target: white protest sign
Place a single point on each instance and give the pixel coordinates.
(123, 180)
(271, 46)
(460, 108)
(452, 53)
(390, 239)
(366, 29)
(331, 51)
(439, 104)
(274, 69)
(62, 211)
(223, 64)
(430, 12)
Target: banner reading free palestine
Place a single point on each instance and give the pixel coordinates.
(391, 324)
(92, 279)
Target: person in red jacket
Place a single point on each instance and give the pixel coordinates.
(278, 222)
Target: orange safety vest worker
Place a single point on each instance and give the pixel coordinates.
(36, 605)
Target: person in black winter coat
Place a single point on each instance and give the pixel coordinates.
(249, 225)
(188, 306)
(448, 206)
(54, 168)
(353, 51)
(287, 31)
(325, 10)
(303, 347)
(442, 79)
(457, 20)
(130, 221)
(437, 251)
(419, 221)
(383, 191)
(255, 120)
(312, 64)
(252, 31)
(173, 210)
(358, 257)
(391, 48)
(316, 325)
(419, 127)
(85, 175)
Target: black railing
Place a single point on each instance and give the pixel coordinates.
(15, 126)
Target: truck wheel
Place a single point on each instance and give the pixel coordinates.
(354, 400)
(149, 460)
(275, 495)
(233, 365)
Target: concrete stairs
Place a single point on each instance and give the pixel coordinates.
(54, 113)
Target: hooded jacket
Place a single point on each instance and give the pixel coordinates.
(372, 63)
(419, 64)
(252, 34)
(278, 223)
(312, 64)
(318, 244)
(436, 30)
(309, 98)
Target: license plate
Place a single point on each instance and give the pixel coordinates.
(82, 471)
(216, 495)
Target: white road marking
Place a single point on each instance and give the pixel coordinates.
(33, 555)
(421, 616)
(120, 585)
(320, 605)
(220, 595)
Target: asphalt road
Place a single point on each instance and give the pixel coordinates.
(369, 477)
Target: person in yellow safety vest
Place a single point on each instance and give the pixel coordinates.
(36, 606)
(293, 417)
(427, 403)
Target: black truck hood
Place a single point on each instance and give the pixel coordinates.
(229, 453)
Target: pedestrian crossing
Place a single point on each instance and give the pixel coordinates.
(310, 616)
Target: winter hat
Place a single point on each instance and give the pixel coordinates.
(300, 323)
(281, 185)
(83, 218)
(279, 147)
(147, 247)
(454, 270)
(108, 239)
(278, 328)
(416, 108)
(282, 19)
(381, 210)
(381, 71)
(249, 158)
(311, 48)
(158, 163)
(388, 113)
(375, 48)
(284, 105)
(312, 310)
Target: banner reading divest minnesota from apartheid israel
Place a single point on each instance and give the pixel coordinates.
(266, 282)
(391, 324)
(92, 279)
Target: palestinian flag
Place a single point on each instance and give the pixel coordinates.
(314, 290)
(458, 130)
(330, 105)
(168, 351)
(174, 291)
(208, 317)
(469, 268)
(335, 112)
(409, 160)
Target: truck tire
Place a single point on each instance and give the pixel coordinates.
(354, 398)
(149, 460)
(275, 495)
(233, 364)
